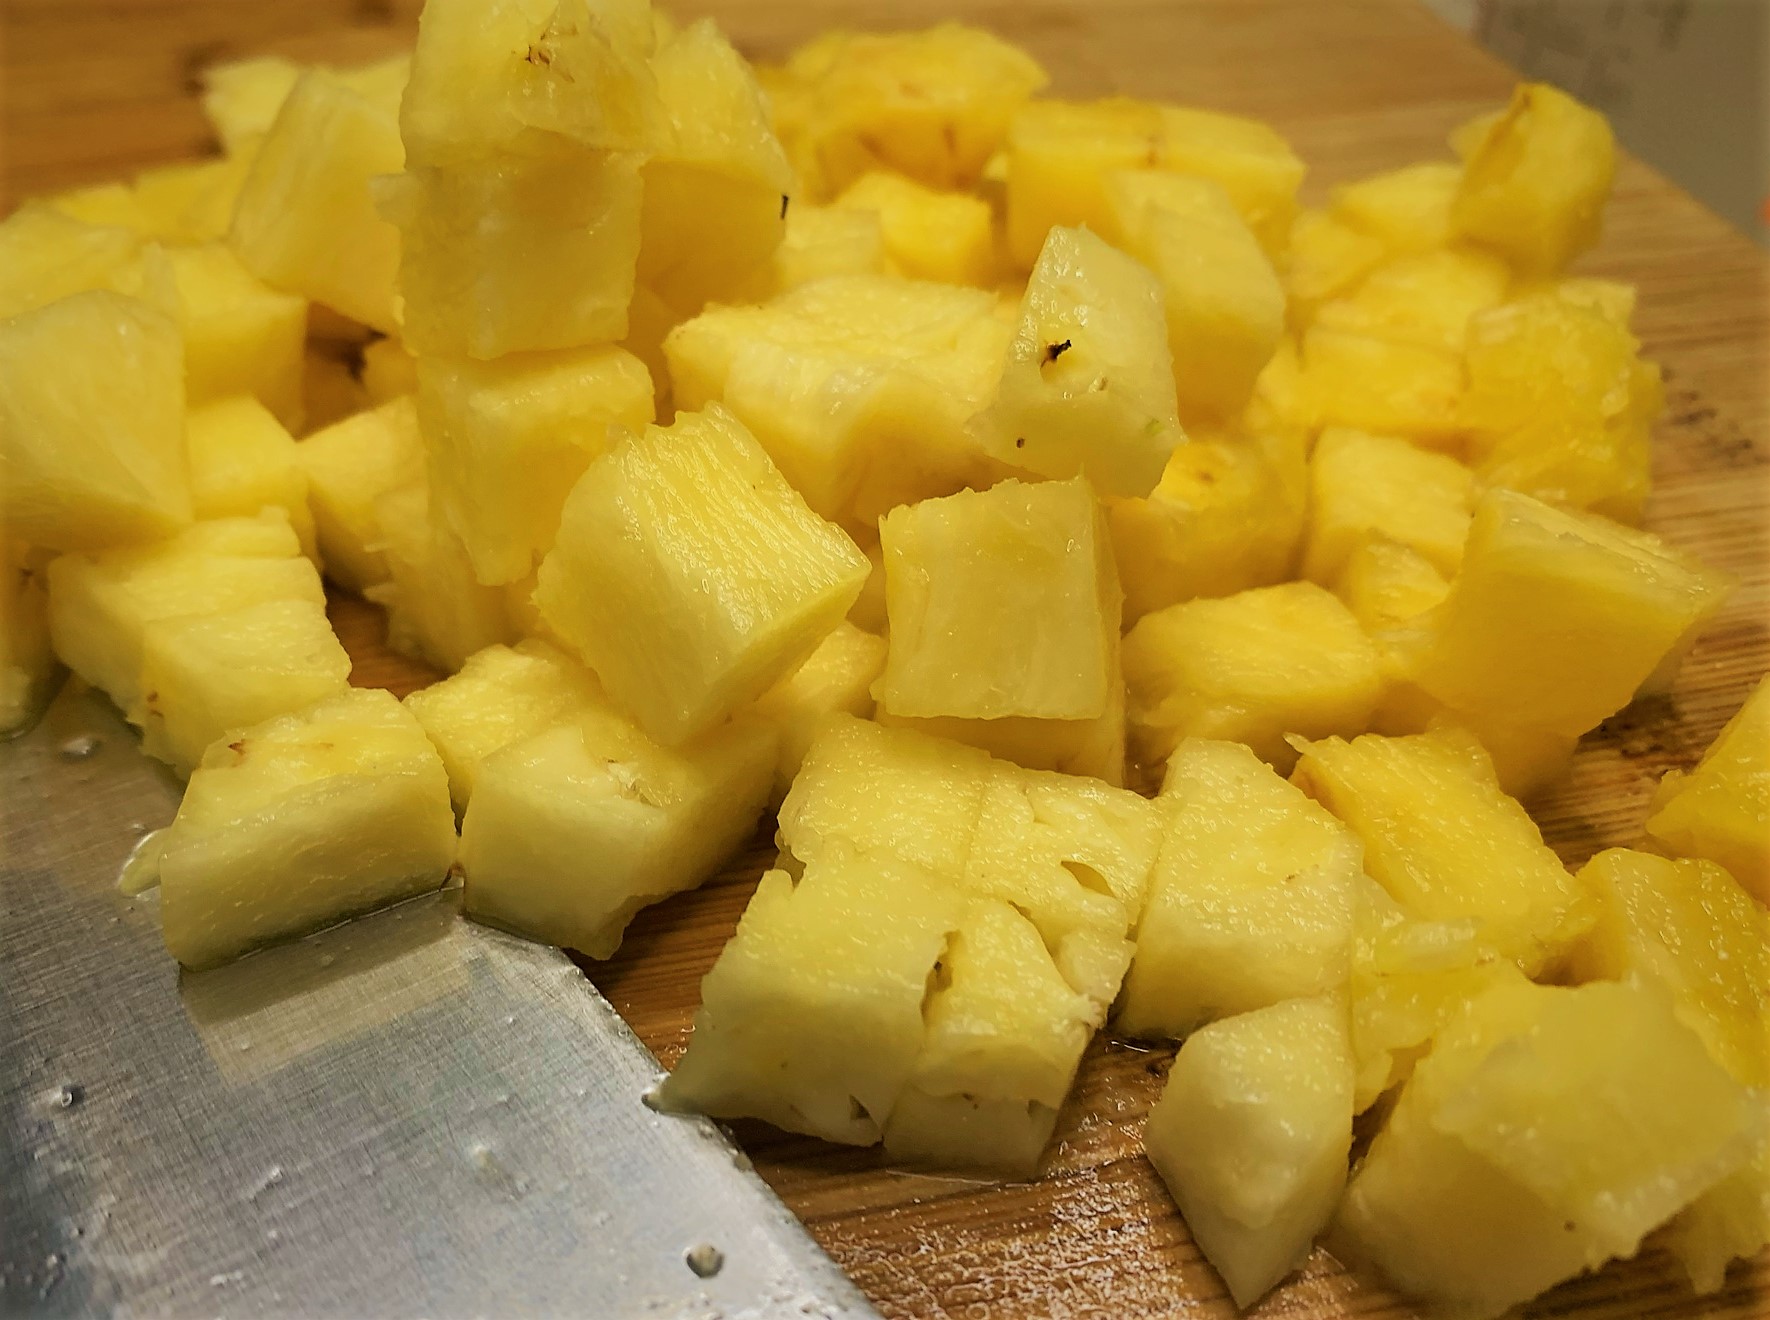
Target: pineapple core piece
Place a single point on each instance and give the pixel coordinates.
(1556, 618)
(1364, 486)
(1252, 1134)
(506, 439)
(1445, 842)
(350, 465)
(1549, 1130)
(300, 822)
(928, 234)
(92, 445)
(1087, 388)
(242, 460)
(838, 676)
(690, 576)
(27, 662)
(1250, 902)
(1249, 668)
(1721, 809)
(240, 335)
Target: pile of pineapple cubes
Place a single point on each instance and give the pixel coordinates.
(873, 440)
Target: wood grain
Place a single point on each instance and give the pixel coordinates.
(93, 87)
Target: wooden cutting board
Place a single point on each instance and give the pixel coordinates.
(93, 88)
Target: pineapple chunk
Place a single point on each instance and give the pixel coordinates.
(1405, 210)
(1445, 842)
(389, 371)
(1250, 902)
(1252, 1134)
(838, 676)
(1556, 618)
(928, 234)
(690, 576)
(1363, 487)
(1224, 302)
(571, 831)
(1721, 809)
(1548, 1131)
(1226, 516)
(27, 661)
(349, 466)
(508, 438)
(300, 822)
(1526, 758)
(1385, 583)
(1383, 384)
(241, 461)
(240, 336)
(305, 220)
(1326, 259)
(241, 97)
(1249, 668)
(501, 696)
(191, 203)
(821, 241)
(1535, 183)
(1424, 297)
(1061, 156)
(92, 446)
(1088, 388)
(438, 613)
(46, 256)
(813, 1016)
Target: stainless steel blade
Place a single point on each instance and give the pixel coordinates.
(407, 1115)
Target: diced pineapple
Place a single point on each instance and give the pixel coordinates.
(928, 234)
(501, 696)
(1548, 1131)
(27, 662)
(1249, 668)
(1088, 388)
(240, 336)
(1406, 210)
(192, 203)
(573, 830)
(389, 370)
(838, 676)
(1061, 154)
(1227, 516)
(1526, 758)
(300, 822)
(1610, 298)
(1721, 809)
(305, 220)
(1364, 487)
(1225, 305)
(1385, 583)
(241, 97)
(92, 448)
(1325, 259)
(1382, 384)
(1252, 1134)
(1555, 618)
(46, 256)
(506, 440)
(690, 576)
(1250, 902)
(812, 1017)
(438, 612)
(241, 461)
(1422, 297)
(1535, 184)
(349, 466)
(1446, 843)
(827, 240)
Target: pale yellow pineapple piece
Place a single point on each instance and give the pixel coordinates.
(1721, 809)
(1325, 259)
(1535, 183)
(46, 256)
(1611, 298)
(1249, 668)
(1446, 843)
(928, 234)
(573, 830)
(1422, 297)
(240, 335)
(305, 220)
(301, 822)
(838, 676)
(1365, 487)
(690, 575)
(241, 461)
(1224, 303)
(241, 97)
(438, 612)
(507, 439)
(1382, 384)
(27, 661)
(349, 466)
(389, 370)
(1088, 388)
(190, 203)
(1385, 583)
(1406, 209)
(1526, 758)
(1251, 1136)
(827, 240)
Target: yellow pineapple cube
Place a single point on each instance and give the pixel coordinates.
(928, 234)
(573, 830)
(241, 461)
(1249, 668)
(389, 370)
(1385, 583)
(240, 336)
(241, 97)
(46, 256)
(1721, 809)
(820, 241)
(300, 822)
(1382, 384)
(1325, 259)
(349, 466)
(438, 612)
(305, 220)
(1535, 184)
(838, 676)
(690, 576)
(92, 447)
(1406, 210)
(1549, 1130)
(1252, 1134)
(1088, 388)
(1555, 618)
(1224, 302)
(506, 440)
(27, 660)
(1446, 843)
(1422, 297)
(1366, 487)
(1526, 758)
(192, 203)
(1250, 902)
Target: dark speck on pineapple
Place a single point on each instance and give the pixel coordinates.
(1020, 442)
(1055, 351)
(784, 200)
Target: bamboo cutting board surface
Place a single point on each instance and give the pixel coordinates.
(92, 88)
